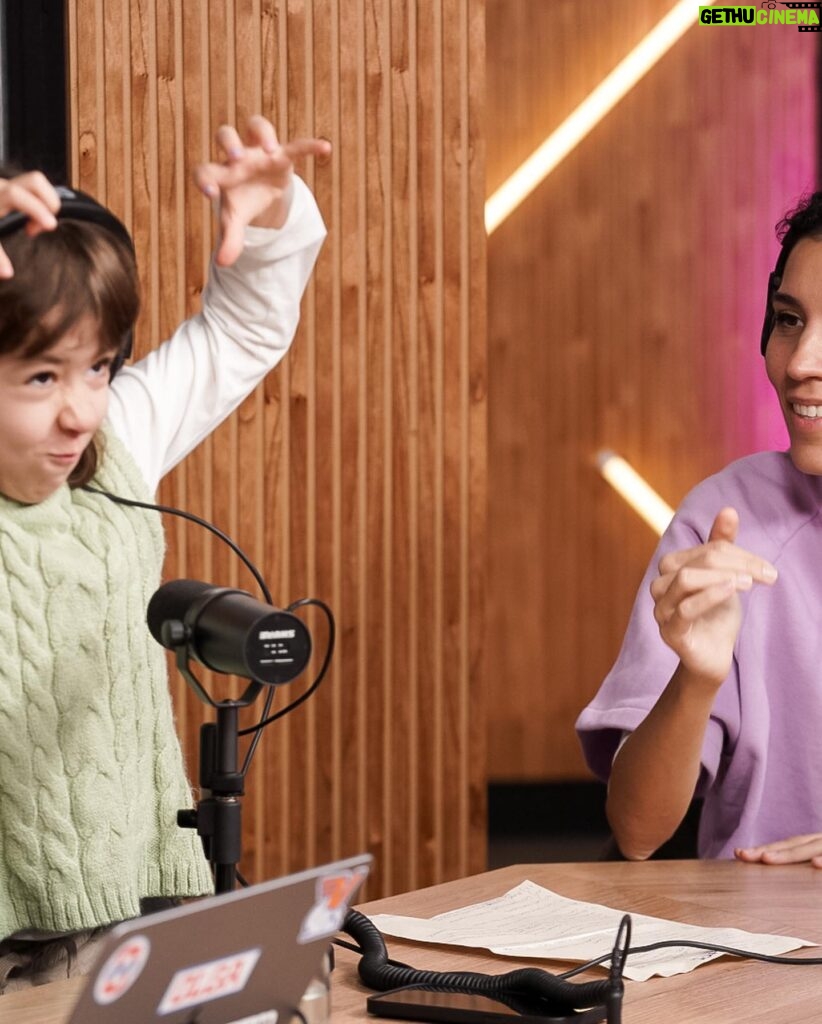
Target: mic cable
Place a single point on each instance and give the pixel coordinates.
(238, 551)
(378, 972)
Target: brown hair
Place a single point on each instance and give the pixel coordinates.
(78, 270)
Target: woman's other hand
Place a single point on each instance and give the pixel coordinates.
(796, 850)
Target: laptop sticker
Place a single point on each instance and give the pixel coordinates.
(121, 970)
(328, 913)
(201, 983)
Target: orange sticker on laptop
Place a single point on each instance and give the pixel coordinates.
(333, 894)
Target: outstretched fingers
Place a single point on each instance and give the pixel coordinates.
(261, 132)
(307, 147)
(719, 556)
(252, 180)
(720, 553)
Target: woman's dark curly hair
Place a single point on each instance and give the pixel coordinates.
(77, 270)
(804, 221)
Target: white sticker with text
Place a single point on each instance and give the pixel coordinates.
(213, 980)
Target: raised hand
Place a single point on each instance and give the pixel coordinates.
(695, 597)
(253, 181)
(31, 194)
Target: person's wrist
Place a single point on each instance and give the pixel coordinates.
(276, 214)
(699, 677)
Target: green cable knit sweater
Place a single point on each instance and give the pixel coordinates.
(91, 772)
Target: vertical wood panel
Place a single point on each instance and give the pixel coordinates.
(625, 302)
(356, 472)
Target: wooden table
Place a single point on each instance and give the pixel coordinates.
(710, 893)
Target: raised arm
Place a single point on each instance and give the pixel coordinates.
(697, 611)
(271, 233)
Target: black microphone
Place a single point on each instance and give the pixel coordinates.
(229, 631)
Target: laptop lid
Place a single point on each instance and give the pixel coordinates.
(222, 958)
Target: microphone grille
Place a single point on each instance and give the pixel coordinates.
(171, 601)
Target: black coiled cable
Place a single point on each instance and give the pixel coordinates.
(377, 973)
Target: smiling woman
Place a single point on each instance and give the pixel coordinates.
(715, 693)
(724, 704)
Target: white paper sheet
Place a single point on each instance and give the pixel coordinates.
(531, 921)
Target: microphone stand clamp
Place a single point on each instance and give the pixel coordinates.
(218, 813)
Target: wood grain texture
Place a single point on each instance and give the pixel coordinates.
(711, 894)
(356, 472)
(625, 303)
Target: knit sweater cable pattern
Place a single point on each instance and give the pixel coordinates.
(91, 771)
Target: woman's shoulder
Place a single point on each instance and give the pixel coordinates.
(752, 477)
(773, 498)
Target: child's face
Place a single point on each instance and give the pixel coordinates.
(50, 407)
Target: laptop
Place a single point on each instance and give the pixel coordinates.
(244, 956)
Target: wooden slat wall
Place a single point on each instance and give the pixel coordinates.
(625, 303)
(356, 474)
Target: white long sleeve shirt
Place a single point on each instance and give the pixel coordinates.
(163, 406)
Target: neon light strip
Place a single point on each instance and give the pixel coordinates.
(589, 113)
(642, 498)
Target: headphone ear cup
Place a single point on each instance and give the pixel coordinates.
(123, 353)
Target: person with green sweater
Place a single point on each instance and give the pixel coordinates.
(91, 770)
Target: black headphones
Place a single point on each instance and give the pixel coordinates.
(76, 205)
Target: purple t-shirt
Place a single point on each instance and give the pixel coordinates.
(761, 774)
